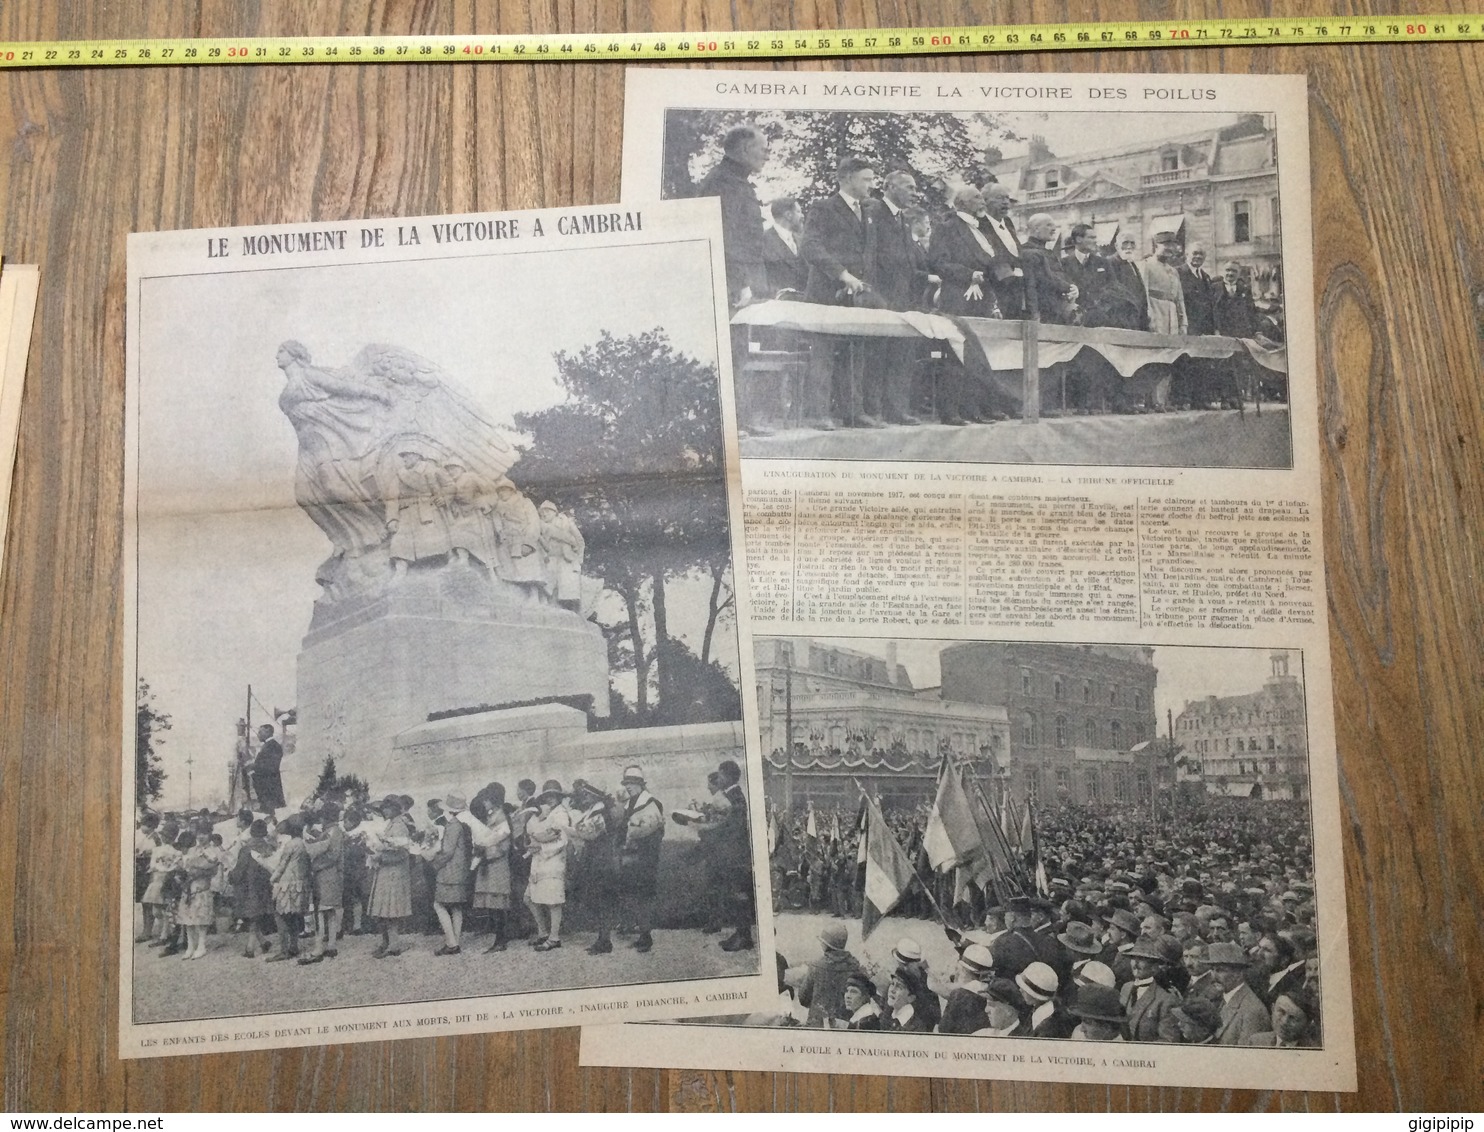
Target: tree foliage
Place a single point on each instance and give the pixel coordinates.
(635, 455)
(150, 726)
(343, 788)
(806, 146)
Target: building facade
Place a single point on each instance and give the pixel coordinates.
(830, 717)
(1217, 188)
(1082, 718)
(1251, 746)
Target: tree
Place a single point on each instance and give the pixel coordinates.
(635, 455)
(342, 787)
(806, 146)
(150, 725)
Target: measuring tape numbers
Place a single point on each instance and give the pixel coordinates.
(660, 46)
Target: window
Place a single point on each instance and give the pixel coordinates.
(1138, 733)
(1113, 696)
(1033, 784)
(1120, 786)
(1063, 780)
(1272, 744)
(1026, 684)
(1087, 691)
(1115, 735)
(1094, 791)
(1277, 224)
(1061, 731)
(1091, 731)
(1169, 161)
(1058, 692)
(1241, 222)
(1138, 700)
(1028, 729)
(1053, 178)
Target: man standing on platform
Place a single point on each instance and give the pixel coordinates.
(899, 279)
(1056, 296)
(1166, 307)
(785, 266)
(1196, 374)
(1125, 302)
(744, 153)
(839, 245)
(267, 782)
(1009, 276)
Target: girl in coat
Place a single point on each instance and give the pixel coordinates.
(391, 887)
(293, 891)
(197, 908)
(549, 832)
(492, 841)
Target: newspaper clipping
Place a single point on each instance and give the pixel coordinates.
(1025, 384)
(436, 631)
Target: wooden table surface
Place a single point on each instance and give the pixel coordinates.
(1398, 173)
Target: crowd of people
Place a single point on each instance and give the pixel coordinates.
(951, 246)
(291, 886)
(1195, 927)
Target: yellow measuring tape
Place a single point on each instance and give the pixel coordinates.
(652, 46)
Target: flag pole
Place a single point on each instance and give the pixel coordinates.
(943, 919)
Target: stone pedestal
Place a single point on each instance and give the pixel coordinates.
(375, 666)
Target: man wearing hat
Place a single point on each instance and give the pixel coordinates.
(599, 825)
(1100, 1012)
(1242, 1012)
(453, 882)
(1162, 286)
(1146, 1002)
(1123, 929)
(1197, 1019)
(644, 830)
(907, 952)
(822, 988)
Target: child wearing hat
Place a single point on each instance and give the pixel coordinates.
(548, 832)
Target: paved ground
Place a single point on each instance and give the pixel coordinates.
(1190, 439)
(226, 984)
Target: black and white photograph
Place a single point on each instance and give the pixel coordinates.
(1092, 286)
(1071, 843)
(437, 634)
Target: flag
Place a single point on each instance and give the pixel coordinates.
(888, 872)
(952, 836)
(811, 829)
(775, 832)
(1026, 837)
(835, 829)
(860, 832)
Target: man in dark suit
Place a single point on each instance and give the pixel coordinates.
(1093, 377)
(900, 276)
(744, 153)
(267, 783)
(1088, 272)
(785, 267)
(1125, 302)
(1196, 378)
(839, 245)
(1055, 294)
(1236, 317)
(1009, 277)
(964, 255)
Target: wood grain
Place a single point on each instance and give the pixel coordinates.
(91, 156)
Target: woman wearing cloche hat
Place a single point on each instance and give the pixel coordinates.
(548, 831)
